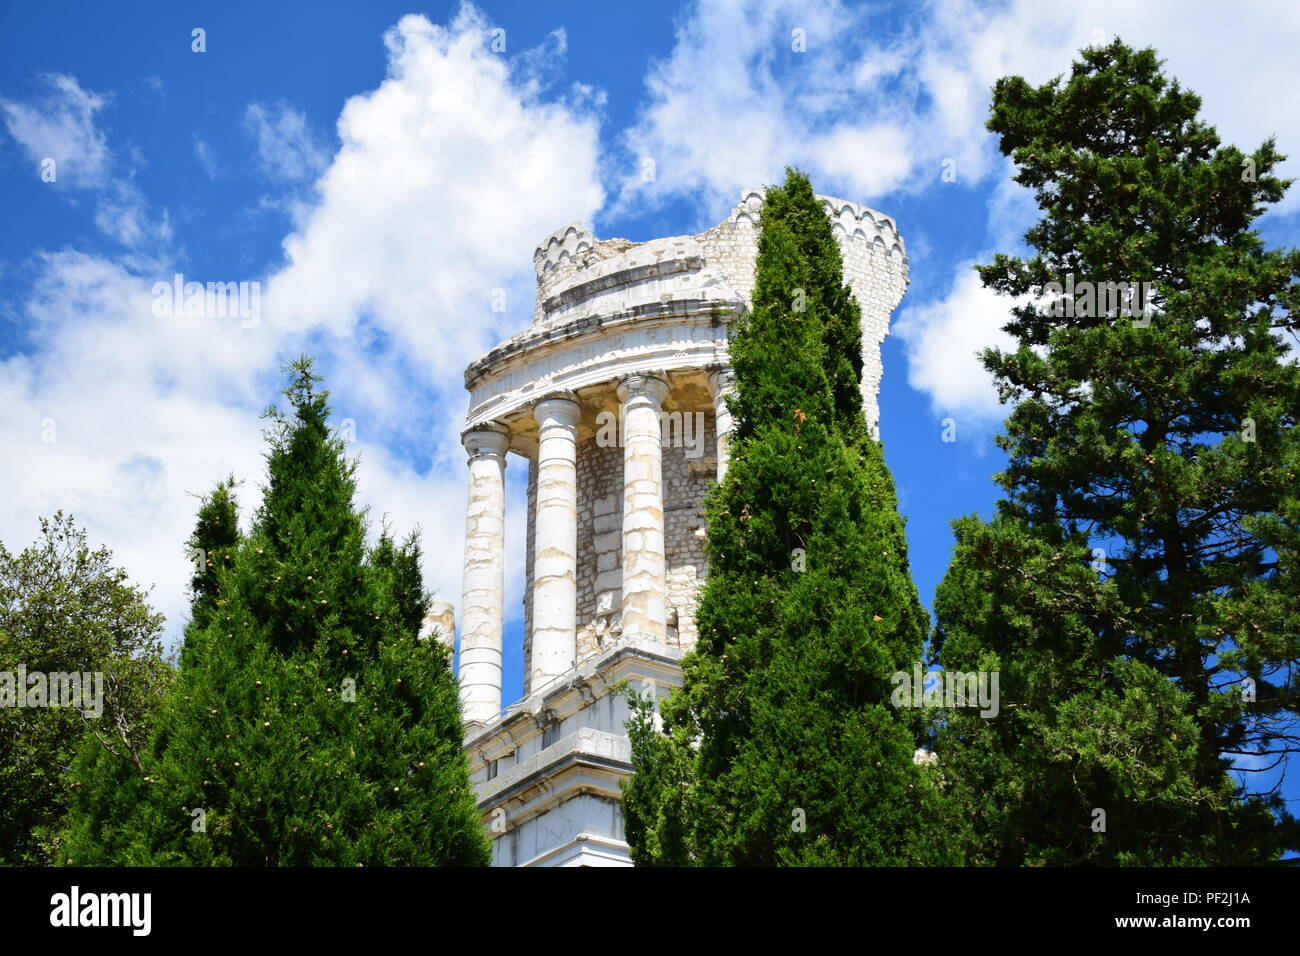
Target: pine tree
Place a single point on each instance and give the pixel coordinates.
(312, 726)
(782, 746)
(1138, 589)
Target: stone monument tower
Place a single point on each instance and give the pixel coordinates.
(615, 399)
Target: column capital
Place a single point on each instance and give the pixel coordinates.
(489, 440)
(559, 407)
(722, 381)
(651, 385)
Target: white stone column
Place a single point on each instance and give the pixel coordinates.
(645, 609)
(484, 585)
(442, 619)
(555, 554)
(722, 383)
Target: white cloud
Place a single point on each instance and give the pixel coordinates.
(841, 154)
(116, 416)
(207, 159)
(60, 124)
(287, 151)
(734, 102)
(943, 339)
(448, 176)
(872, 105)
(123, 214)
(880, 99)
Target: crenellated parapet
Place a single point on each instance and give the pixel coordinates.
(560, 247)
(663, 298)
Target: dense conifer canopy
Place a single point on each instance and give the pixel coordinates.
(310, 725)
(1138, 588)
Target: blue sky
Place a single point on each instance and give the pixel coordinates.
(380, 169)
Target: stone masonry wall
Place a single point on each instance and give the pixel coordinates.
(529, 543)
(875, 268)
(600, 540)
(686, 480)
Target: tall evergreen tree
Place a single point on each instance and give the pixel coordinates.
(782, 746)
(214, 544)
(312, 726)
(1138, 589)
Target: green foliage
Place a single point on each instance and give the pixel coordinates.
(1084, 725)
(213, 545)
(1171, 446)
(782, 747)
(311, 726)
(65, 608)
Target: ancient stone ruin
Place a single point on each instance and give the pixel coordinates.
(614, 397)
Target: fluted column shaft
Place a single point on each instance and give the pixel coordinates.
(483, 593)
(555, 556)
(722, 383)
(645, 609)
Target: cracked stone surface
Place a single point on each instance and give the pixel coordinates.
(645, 609)
(484, 581)
(555, 591)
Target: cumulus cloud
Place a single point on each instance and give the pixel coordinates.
(735, 101)
(868, 100)
(116, 416)
(943, 339)
(449, 174)
(448, 177)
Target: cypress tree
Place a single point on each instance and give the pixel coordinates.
(313, 726)
(782, 746)
(213, 544)
(1138, 588)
